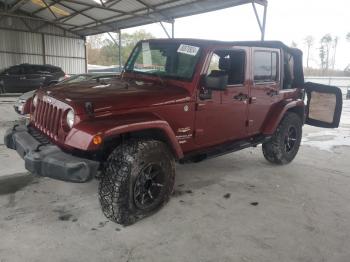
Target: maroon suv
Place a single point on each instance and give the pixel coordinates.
(177, 100)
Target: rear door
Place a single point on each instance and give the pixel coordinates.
(264, 91)
(324, 105)
(235, 98)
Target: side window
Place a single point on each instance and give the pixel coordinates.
(53, 69)
(42, 70)
(29, 70)
(265, 66)
(16, 70)
(288, 76)
(230, 63)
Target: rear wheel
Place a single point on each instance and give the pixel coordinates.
(138, 179)
(285, 143)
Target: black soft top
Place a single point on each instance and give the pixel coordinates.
(205, 43)
(296, 53)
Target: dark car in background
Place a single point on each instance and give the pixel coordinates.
(26, 77)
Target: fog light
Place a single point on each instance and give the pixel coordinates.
(97, 140)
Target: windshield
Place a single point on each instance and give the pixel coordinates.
(173, 60)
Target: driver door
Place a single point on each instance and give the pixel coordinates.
(324, 105)
(221, 115)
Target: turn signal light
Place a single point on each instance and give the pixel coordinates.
(97, 140)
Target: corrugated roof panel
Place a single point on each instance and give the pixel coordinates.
(116, 18)
(100, 13)
(154, 2)
(29, 7)
(132, 12)
(174, 4)
(128, 6)
(62, 11)
(75, 6)
(79, 20)
(93, 2)
(46, 14)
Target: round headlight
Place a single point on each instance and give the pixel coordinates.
(70, 118)
(35, 100)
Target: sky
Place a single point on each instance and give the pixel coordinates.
(287, 21)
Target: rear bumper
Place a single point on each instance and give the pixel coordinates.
(49, 160)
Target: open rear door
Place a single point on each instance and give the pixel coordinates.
(324, 105)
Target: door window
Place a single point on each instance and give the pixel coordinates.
(16, 70)
(265, 66)
(288, 76)
(29, 70)
(230, 63)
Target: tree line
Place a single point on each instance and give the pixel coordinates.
(104, 50)
(327, 50)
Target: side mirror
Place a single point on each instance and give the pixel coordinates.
(216, 82)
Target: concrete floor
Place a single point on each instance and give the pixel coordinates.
(233, 208)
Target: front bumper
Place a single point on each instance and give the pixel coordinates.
(49, 160)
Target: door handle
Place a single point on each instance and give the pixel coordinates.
(241, 97)
(252, 100)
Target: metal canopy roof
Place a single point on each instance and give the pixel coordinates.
(88, 17)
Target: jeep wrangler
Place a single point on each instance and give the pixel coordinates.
(176, 100)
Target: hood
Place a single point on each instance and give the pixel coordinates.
(117, 95)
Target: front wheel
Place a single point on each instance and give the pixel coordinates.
(285, 142)
(137, 180)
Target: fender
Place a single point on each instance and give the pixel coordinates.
(278, 111)
(82, 134)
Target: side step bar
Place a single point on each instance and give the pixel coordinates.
(224, 149)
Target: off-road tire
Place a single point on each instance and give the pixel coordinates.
(121, 173)
(276, 150)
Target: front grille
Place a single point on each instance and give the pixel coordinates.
(47, 118)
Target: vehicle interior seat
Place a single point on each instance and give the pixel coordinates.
(224, 67)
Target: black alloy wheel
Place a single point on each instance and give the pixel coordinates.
(149, 186)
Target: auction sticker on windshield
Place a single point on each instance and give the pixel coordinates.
(188, 49)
